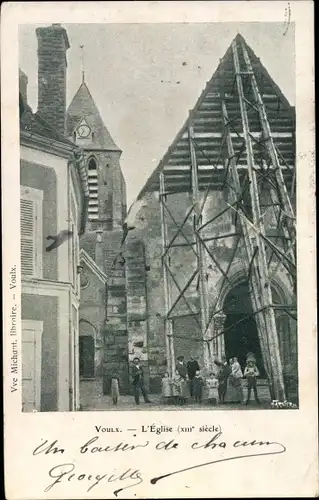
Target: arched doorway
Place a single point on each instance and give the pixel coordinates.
(86, 350)
(240, 329)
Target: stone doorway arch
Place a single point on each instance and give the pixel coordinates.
(240, 328)
(281, 296)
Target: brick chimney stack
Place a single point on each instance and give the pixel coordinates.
(52, 63)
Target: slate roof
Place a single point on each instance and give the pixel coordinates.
(207, 121)
(35, 124)
(83, 106)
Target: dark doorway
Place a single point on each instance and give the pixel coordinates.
(86, 352)
(241, 336)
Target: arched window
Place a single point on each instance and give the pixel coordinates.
(92, 164)
(93, 209)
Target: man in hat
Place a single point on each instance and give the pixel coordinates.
(223, 375)
(192, 368)
(138, 381)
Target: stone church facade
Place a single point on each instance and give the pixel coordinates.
(234, 325)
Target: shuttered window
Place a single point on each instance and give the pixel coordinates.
(31, 231)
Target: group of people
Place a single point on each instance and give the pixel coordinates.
(189, 382)
(230, 379)
(185, 382)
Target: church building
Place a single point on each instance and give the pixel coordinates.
(206, 265)
(210, 264)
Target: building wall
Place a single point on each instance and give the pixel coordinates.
(45, 309)
(92, 323)
(92, 310)
(183, 262)
(116, 339)
(59, 282)
(61, 346)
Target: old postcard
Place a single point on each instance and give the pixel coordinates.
(159, 250)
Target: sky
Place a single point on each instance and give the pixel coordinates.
(132, 72)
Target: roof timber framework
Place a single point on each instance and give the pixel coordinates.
(240, 135)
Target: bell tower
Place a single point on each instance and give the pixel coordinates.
(85, 127)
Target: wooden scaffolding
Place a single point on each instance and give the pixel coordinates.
(240, 139)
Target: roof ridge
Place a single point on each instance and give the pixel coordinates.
(209, 83)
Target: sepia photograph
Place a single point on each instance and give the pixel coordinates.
(158, 216)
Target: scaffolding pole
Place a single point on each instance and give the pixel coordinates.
(201, 264)
(251, 250)
(277, 380)
(168, 324)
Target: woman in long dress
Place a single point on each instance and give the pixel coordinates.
(235, 381)
(166, 388)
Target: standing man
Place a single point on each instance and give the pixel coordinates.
(192, 368)
(223, 375)
(138, 381)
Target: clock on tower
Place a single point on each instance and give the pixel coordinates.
(83, 130)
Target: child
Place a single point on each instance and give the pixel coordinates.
(115, 392)
(198, 383)
(251, 373)
(212, 389)
(184, 390)
(180, 388)
(166, 388)
(176, 387)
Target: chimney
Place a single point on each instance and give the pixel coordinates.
(52, 46)
(23, 86)
(99, 258)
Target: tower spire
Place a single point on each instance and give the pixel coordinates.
(82, 62)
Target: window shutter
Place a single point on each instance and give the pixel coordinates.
(27, 237)
(31, 231)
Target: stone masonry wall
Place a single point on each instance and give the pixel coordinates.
(183, 263)
(136, 273)
(116, 341)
